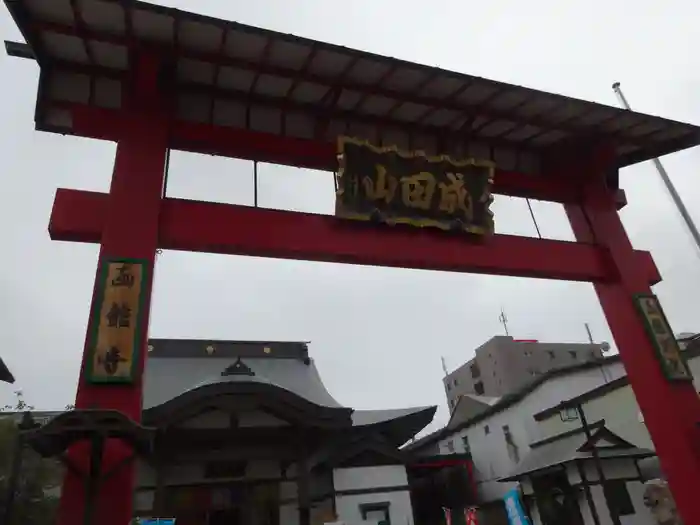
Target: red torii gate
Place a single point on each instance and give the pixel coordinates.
(152, 79)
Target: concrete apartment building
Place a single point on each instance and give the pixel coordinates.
(503, 365)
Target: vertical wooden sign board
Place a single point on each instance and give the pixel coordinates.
(673, 365)
(116, 325)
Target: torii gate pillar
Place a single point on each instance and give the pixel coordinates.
(671, 411)
(130, 230)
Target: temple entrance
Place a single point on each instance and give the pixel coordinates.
(225, 503)
(232, 516)
(225, 517)
(248, 434)
(427, 131)
(438, 484)
(557, 500)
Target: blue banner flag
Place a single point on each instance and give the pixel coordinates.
(514, 508)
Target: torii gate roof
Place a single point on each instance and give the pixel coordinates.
(233, 75)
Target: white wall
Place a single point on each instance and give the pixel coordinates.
(321, 511)
(613, 469)
(359, 478)
(643, 516)
(636, 491)
(489, 451)
(620, 411)
(618, 408)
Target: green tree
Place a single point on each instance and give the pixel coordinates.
(38, 485)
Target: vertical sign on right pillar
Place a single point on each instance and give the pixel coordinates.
(673, 365)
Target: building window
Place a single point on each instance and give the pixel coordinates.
(568, 414)
(476, 372)
(487, 430)
(551, 354)
(449, 386)
(225, 469)
(618, 497)
(376, 512)
(455, 382)
(450, 447)
(479, 388)
(573, 354)
(465, 444)
(513, 450)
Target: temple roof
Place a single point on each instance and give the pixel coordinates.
(5, 374)
(175, 366)
(180, 371)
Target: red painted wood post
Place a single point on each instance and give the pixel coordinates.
(130, 231)
(671, 410)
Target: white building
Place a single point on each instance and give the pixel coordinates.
(506, 435)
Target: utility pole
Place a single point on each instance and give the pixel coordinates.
(666, 180)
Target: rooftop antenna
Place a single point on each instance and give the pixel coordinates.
(666, 179)
(444, 365)
(590, 335)
(504, 321)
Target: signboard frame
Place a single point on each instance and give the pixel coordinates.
(135, 325)
(350, 205)
(650, 310)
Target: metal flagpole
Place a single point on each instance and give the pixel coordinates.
(666, 180)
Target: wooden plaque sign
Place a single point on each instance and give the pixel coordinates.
(659, 330)
(387, 185)
(116, 328)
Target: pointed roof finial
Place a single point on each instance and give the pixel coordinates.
(239, 368)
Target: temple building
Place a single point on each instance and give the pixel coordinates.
(248, 433)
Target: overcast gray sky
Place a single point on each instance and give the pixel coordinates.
(403, 320)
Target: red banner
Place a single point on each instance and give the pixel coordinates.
(470, 516)
(448, 515)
